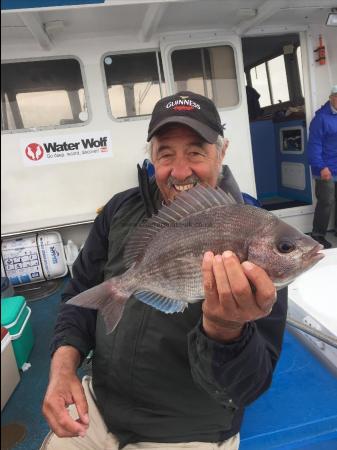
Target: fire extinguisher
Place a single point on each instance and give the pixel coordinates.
(320, 51)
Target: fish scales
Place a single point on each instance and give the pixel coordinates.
(164, 254)
(171, 264)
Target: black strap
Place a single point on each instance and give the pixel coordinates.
(144, 186)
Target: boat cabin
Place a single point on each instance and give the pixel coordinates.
(80, 80)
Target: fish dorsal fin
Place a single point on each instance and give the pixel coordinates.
(198, 198)
(157, 301)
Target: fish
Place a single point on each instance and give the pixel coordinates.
(164, 254)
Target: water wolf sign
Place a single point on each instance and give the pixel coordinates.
(44, 150)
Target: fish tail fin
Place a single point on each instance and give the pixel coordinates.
(108, 297)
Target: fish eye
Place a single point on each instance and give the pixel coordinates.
(285, 247)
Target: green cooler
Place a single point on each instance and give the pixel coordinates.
(15, 317)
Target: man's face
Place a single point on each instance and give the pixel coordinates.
(182, 158)
(333, 100)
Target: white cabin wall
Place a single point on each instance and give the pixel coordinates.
(324, 76)
(27, 204)
(76, 183)
(129, 135)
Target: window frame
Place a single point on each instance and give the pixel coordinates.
(208, 44)
(292, 152)
(85, 88)
(300, 68)
(105, 85)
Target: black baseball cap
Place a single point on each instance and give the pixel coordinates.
(187, 108)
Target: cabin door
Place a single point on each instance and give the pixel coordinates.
(274, 88)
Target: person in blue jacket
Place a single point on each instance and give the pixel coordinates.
(322, 153)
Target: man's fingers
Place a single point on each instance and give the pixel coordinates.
(81, 404)
(61, 422)
(235, 292)
(60, 395)
(237, 280)
(208, 279)
(265, 295)
(221, 278)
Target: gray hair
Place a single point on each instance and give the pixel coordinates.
(219, 144)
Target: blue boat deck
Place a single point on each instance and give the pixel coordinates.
(298, 411)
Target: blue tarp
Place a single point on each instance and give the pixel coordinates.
(299, 410)
(26, 4)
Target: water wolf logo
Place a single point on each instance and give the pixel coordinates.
(34, 151)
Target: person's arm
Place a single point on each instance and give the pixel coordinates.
(234, 350)
(74, 335)
(76, 326)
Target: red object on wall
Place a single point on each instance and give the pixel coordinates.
(320, 52)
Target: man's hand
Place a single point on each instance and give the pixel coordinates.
(326, 174)
(63, 390)
(230, 299)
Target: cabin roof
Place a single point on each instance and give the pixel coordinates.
(144, 19)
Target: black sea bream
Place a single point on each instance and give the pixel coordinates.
(164, 254)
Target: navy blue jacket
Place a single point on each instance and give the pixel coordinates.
(158, 377)
(322, 144)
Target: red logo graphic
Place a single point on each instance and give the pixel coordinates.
(183, 108)
(34, 151)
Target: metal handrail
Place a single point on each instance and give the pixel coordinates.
(330, 340)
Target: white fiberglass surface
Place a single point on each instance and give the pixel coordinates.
(316, 291)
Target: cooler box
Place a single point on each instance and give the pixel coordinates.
(10, 376)
(15, 316)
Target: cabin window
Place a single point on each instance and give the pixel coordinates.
(278, 80)
(270, 81)
(135, 83)
(47, 93)
(208, 71)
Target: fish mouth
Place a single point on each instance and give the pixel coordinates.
(312, 257)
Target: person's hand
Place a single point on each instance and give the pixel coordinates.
(235, 293)
(326, 174)
(63, 390)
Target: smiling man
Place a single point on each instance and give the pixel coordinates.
(182, 158)
(165, 381)
(187, 143)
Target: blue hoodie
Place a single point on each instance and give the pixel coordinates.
(322, 143)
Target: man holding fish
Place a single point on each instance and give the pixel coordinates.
(167, 375)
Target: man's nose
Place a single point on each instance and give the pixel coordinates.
(181, 170)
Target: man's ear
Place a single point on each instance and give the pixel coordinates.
(224, 148)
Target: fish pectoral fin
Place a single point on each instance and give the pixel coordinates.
(157, 301)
